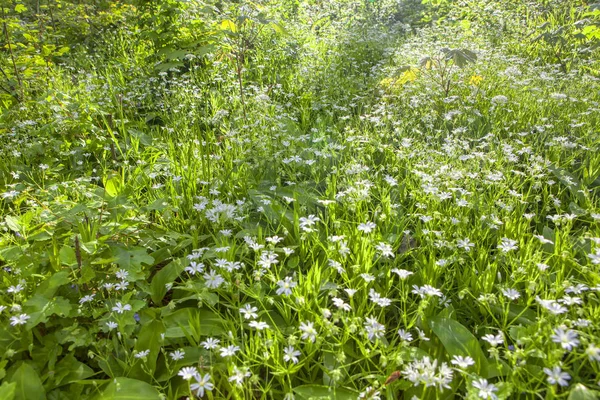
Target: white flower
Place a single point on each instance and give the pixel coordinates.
(15, 289)
(511, 294)
(122, 274)
(426, 290)
(202, 383)
(567, 338)
(120, 308)
(402, 273)
(307, 223)
(229, 350)
(259, 325)
(19, 319)
(339, 303)
(194, 268)
(112, 325)
(462, 362)
(142, 354)
(238, 375)
(374, 329)
(385, 249)
(187, 373)
(177, 355)
(507, 245)
(367, 277)
(593, 352)
(286, 286)
(377, 299)
(494, 340)
(308, 331)
(249, 311)
(404, 335)
(367, 227)
(499, 99)
(556, 375)
(213, 280)
(86, 299)
(465, 244)
(291, 354)
(486, 390)
(210, 343)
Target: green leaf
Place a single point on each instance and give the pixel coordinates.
(314, 392)
(211, 324)
(165, 276)
(28, 384)
(69, 370)
(132, 259)
(8, 390)
(277, 27)
(67, 256)
(129, 389)
(580, 392)
(112, 187)
(460, 57)
(228, 25)
(49, 287)
(20, 8)
(150, 338)
(13, 223)
(458, 340)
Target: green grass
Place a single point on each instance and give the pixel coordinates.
(354, 226)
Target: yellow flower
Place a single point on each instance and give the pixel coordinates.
(475, 80)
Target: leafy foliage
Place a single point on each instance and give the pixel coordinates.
(218, 199)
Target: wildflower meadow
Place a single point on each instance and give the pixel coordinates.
(299, 199)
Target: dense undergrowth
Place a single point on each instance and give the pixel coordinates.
(300, 199)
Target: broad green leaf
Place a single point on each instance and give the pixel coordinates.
(132, 259)
(28, 384)
(460, 57)
(580, 392)
(165, 276)
(211, 324)
(8, 390)
(549, 234)
(129, 389)
(314, 392)
(20, 8)
(67, 256)
(150, 338)
(112, 186)
(458, 340)
(49, 287)
(228, 25)
(69, 370)
(13, 223)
